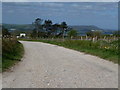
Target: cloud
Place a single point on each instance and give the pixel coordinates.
(75, 5)
(60, 0)
(95, 6)
(71, 12)
(33, 4)
(82, 6)
(11, 11)
(51, 4)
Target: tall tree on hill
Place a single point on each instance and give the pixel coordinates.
(55, 28)
(64, 28)
(38, 25)
(34, 34)
(48, 26)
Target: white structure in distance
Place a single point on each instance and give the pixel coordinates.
(22, 34)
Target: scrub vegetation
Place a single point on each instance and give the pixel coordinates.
(12, 50)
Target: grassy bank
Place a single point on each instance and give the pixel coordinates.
(0, 55)
(102, 49)
(12, 52)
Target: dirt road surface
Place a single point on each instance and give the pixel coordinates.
(50, 66)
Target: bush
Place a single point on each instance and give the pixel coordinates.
(12, 51)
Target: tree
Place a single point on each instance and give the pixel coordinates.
(34, 33)
(72, 33)
(5, 32)
(38, 25)
(47, 23)
(48, 27)
(64, 28)
(94, 33)
(116, 33)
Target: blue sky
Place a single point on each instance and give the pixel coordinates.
(101, 14)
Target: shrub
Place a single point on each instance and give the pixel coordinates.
(12, 51)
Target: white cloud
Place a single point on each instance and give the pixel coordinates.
(10, 11)
(44, 4)
(59, 0)
(51, 4)
(78, 6)
(75, 5)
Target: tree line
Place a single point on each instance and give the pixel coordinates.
(48, 29)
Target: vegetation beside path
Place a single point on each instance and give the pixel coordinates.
(102, 49)
(12, 52)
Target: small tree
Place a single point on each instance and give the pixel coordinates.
(64, 28)
(48, 27)
(72, 33)
(116, 33)
(5, 32)
(94, 34)
(34, 33)
(38, 25)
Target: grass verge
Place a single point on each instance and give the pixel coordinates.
(12, 52)
(101, 49)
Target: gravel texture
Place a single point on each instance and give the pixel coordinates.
(50, 66)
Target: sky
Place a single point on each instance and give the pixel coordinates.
(101, 14)
(60, 0)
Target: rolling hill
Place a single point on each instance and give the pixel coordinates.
(21, 27)
(82, 29)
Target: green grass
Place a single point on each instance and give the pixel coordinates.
(102, 49)
(0, 55)
(12, 52)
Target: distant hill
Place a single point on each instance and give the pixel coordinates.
(24, 27)
(82, 29)
(87, 28)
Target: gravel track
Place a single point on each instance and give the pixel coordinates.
(50, 66)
